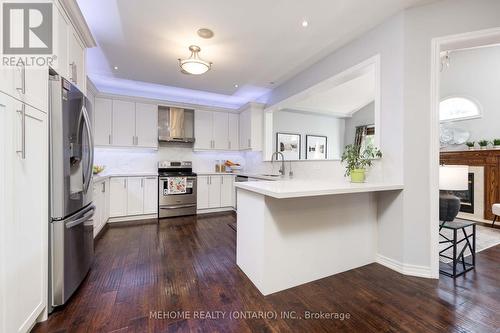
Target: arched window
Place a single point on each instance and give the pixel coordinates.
(458, 108)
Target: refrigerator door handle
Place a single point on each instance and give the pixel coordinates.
(91, 147)
(82, 219)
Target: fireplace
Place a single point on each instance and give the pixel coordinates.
(467, 197)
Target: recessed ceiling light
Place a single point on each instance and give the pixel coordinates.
(115, 68)
(205, 33)
(236, 86)
(305, 23)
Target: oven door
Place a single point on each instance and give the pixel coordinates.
(177, 199)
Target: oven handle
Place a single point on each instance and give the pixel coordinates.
(180, 206)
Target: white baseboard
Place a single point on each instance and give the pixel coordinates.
(132, 218)
(214, 210)
(406, 269)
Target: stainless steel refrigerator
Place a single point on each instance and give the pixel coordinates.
(71, 161)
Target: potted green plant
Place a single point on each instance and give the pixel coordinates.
(483, 144)
(470, 144)
(496, 143)
(357, 159)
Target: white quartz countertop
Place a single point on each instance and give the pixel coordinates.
(246, 174)
(103, 176)
(282, 189)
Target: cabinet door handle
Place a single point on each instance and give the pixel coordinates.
(125, 183)
(142, 182)
(249, 143)
(103, 187)
(222, 180)
(109, 138)
(23, 131)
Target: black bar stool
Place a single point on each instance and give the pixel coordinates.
(460, 264)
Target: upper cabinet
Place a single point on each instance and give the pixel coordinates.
(121, 123)
(69, 48)
(146, 125)
(215, 130)
(123, 131)
(251, 127)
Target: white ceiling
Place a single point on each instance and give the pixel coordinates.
(256, 42)
(341, 100)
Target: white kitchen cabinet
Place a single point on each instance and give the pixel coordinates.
(202, 192)
(97, 199)
(103, 121)
(146, 125)
(220, 131)
(118, 196)
(121, 123)
(216, 130)
(203, 130)
(61, 46)
(150, 195)
(135, 196)
(76, 59)
(233, 129)
(251, 127)
(123, 132)
(227, 191)
(100, 197)
(23, 214)
(106, 201)
(214, 190)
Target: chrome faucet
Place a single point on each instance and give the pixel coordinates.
(282, 169)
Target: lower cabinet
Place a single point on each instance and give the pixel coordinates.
(131, 196)
(101, 202)
(215, 191)
(23, 214)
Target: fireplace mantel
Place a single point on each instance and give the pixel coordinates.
(490, 160)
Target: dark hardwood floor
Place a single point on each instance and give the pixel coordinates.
(188, 264)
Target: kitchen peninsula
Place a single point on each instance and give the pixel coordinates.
(290, 232)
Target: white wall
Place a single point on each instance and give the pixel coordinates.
(304, 123)
(475, 73)
(404, 45)
(362, 117)
(422, 24)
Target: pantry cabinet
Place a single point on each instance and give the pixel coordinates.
(131, 196)
(215, 130)
(215, 191)
(120, 123)
(23, 232)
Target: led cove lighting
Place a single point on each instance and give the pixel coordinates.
(194, 65)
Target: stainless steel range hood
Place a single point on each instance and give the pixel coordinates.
(175, 124)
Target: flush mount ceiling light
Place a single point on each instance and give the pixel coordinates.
(205, 33)
(194, 65)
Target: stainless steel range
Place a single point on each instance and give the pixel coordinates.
(177, 189)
